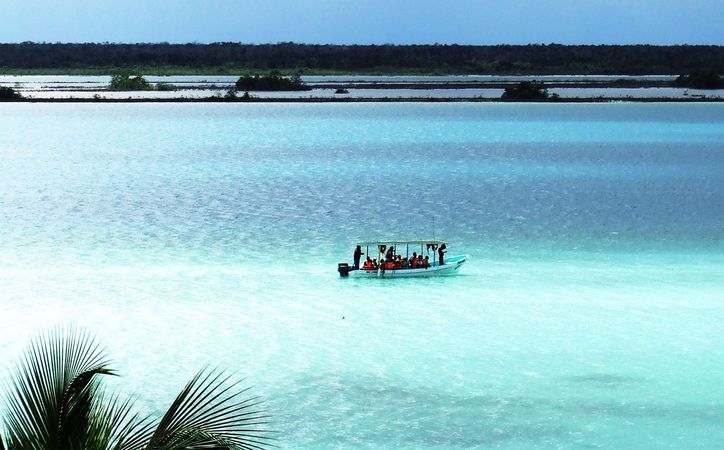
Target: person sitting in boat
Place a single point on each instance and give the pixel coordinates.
(368, 264)
(426, 262)
(389, 265)
(413, 260)
(405, 263)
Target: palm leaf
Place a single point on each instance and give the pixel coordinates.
(55, 402)
(53, 396)
(210, 413)
(113, 423)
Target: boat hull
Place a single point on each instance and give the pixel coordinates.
(451, 266)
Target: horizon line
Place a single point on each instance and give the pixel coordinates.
(433, 44)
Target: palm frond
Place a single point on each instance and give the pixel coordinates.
(113, 423)
(210, 413)
(55, 401)
(52, 397)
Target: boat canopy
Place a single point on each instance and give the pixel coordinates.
(401, 242)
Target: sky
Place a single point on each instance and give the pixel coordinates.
(660, 22)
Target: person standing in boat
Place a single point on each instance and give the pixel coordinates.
(357, 255)
(441, 253)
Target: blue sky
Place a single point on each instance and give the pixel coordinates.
(366, 21)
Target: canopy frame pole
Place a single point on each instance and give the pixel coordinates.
(379, 261)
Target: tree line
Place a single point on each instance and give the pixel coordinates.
(471, 59)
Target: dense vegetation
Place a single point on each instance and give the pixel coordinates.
(274, 81)
(8, 93)
(527, 90)
(700, 80)
(231, 57)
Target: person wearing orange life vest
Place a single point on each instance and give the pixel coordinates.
(368, 264)
(413, 261)
(426, 262)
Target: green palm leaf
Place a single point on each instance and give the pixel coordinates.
(210, 413)
(54, 402)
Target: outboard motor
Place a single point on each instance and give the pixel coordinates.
(343, 269)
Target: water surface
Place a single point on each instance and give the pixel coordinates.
(589, 314)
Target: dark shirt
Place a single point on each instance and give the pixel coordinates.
(390, 253)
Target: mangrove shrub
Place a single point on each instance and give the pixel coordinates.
(527, 90)
(8, 93)
(127, 82)
(273, 81)
(700, 80)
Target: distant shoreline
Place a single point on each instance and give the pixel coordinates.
(367, 100)
(324, 59)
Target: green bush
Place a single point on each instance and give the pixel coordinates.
(700, 80)
(527, 90)
(8, 93)
(273, 81)
(127, 82)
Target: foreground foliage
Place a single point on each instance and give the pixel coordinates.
(56, 401)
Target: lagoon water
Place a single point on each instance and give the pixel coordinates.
(590, 313)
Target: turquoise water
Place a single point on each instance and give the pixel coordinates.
(589, 315)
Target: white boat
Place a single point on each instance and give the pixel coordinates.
(451, 264)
